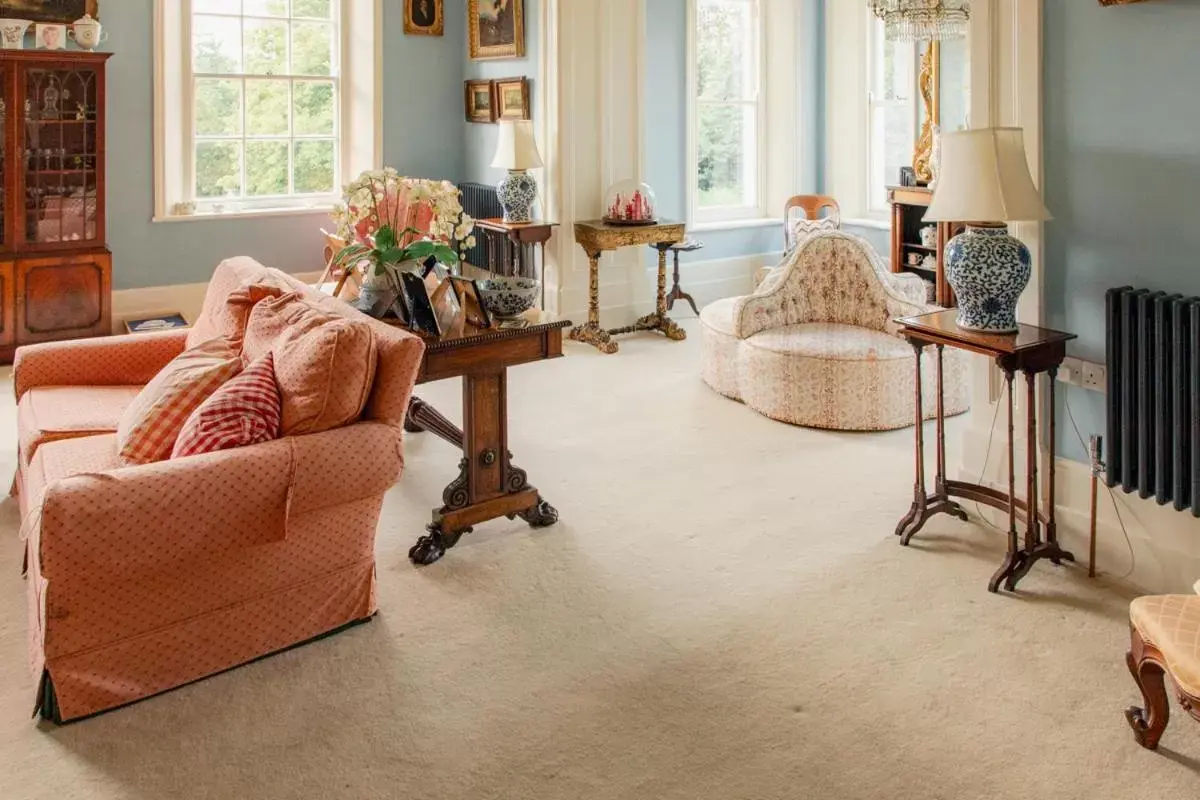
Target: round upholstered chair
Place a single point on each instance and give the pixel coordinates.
(815, 344)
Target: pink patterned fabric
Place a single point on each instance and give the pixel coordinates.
(130, 360)
(244, 411)
(49, 413)
(143, 578)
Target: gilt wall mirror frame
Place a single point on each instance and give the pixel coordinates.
(943, 90)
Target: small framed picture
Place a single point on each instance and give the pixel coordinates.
(496, 29)
(471, 301)
(51, 37)
(512, 98)
(480, 107)
(420, 306)
(424, 18)
(170, 321)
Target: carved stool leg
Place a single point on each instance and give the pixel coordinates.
(1148, 723)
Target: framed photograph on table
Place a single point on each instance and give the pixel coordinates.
(470, 300)
(511, 99)
(496, 29)
(480, 103)
(424, 18)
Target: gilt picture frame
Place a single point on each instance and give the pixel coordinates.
(424, 18)
(496, 29)
(510, 98)
(62, 12)
(479, 96)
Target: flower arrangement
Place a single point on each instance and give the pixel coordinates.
(388, 220)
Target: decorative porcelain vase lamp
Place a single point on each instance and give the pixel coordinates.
(517, 152)
(985, 182)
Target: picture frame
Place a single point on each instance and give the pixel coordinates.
(496, 29)
(50, 36)
(424, 18)
(510, 98)
(479, 97)
(421, 317)
(471, 301)
(63, 12)
(167, 321)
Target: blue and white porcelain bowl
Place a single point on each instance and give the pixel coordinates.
(509, 297)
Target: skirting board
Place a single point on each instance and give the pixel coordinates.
(1165, 543)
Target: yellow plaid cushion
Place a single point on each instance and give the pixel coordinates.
(1172, 624)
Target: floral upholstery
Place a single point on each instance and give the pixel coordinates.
(1172, 624)
(815, 344)
(144, 578)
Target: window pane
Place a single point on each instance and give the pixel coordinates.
(266, 168)
(728, 157)
(726, 52)
(313, 107)
(267, 108)
(266, 8)
(317, 9)
(315, 170)
(218, 107)
(219, 6)
(312, 48)
(266, 47)
(216, 44)
(218, 169)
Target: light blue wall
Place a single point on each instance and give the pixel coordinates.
(1122, 167)
(479, 142)
(423, 100)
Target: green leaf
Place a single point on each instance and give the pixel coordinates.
(385, 238)
(393, 255)
(421, 250)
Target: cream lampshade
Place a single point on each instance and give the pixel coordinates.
(985, 182)
(517, 152)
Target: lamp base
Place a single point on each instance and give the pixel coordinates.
(988, 269)
(517, 193)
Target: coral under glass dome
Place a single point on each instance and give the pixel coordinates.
(630, 203)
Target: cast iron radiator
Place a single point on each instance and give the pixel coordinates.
(492, 250)
(1154, 395)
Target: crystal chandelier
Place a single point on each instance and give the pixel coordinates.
(923, 20)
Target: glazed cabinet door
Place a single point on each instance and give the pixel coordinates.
(63, 298)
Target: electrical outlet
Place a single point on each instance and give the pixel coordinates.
(1071, 371)
(1095, 377)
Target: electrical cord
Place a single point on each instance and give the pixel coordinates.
(986, 456)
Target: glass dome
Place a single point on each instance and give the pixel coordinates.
(630, 203)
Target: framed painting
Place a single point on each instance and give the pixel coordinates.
(424, 18)
(480, 103)
(54, 11)
(512, 98)
(496, 29)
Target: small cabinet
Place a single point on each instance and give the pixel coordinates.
(909, 253)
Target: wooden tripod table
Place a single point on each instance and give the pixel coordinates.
(488, 486)
(1032, 351)
(598, 236)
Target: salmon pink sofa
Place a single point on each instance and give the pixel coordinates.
(145, 578)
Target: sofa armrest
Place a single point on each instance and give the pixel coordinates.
(128, 360)
(144, 518)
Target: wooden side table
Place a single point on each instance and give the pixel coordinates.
(1032, 351)
(677, 292)
(597, 236)
(522, 240)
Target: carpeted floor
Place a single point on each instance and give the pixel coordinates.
(722, 613)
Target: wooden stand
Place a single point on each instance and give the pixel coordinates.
(522, 240)
(488, 485)
(1031, 351)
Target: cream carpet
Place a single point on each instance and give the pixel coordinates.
(722, 613)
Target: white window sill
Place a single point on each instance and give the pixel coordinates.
(251, 213)
(736, 224)
(867, 222)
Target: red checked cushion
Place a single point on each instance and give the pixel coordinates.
(151, 423)
(244, 411)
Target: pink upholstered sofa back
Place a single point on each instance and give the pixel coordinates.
(239, 282)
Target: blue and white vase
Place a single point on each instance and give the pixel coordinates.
(517, 193)
(988, 269)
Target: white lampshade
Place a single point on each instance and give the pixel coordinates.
(517, 149)
(984, 177)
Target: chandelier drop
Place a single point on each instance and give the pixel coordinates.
(923, 20)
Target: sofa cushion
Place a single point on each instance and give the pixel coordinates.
(324, 362)
(237, 285)
(1172, 624)
(244, 411)
(151, 424)
(833, 341)
(50, 413)
(64, 458)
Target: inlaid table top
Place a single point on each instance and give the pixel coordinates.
(597, 235)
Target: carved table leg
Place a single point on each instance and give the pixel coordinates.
(677, 292)
(591, 332)
(658, 321)
(1148, 723)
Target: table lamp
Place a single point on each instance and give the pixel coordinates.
(985, 182)
(517, 152)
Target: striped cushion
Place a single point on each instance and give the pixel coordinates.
(151, 424)
(244, 411)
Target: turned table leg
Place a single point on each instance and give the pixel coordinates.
(591, 332)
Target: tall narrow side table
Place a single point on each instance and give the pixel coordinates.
(598, 236)
(677, 292)
(1031, 351)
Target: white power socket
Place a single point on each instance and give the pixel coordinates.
(1071, 371)
(1095, 377)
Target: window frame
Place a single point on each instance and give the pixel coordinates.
(756, 210)
(357, 125)
(874, 37)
